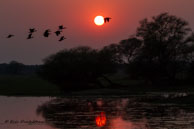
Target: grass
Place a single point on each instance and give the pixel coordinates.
(26, 86)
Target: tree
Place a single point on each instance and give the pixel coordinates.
(165, 45)
(77, 68)
(129, 48)
(112, 52)
(15, 67)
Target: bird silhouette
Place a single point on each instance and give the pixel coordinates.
(62, 38)
(30, 36)
(32, 30)
(47, 33)
(58, 32)
(61, 27)
(107, 19)
(10, 36)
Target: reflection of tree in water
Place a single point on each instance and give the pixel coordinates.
(81, 113)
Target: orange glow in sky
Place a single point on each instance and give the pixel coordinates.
(17, 16)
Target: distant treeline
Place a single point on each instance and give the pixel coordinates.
(16, 68)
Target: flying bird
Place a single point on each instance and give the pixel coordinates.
(32, 30)
(107, 19)
(58, 32)
(30, 36)
(10, 36)
(62, 38)
(47, 33)
(61, 27)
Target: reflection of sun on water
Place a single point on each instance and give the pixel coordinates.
(101, 120)
(119, 123)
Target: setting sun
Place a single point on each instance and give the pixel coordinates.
(99, 20)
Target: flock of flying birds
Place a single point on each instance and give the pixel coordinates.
(46, 33)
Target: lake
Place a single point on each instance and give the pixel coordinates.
(142, 111)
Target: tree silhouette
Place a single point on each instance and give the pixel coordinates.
(129, 48)
(15, 67)
(77, 68)
(166, 42)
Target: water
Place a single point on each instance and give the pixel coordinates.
(148, 111)
(18, 112)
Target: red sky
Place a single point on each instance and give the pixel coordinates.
(17, 16)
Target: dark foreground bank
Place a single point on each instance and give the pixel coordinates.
(11, 85)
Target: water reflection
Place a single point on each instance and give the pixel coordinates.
(101, 119)
(20, 113)
(115, 113)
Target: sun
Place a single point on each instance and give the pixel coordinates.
(99, 20)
